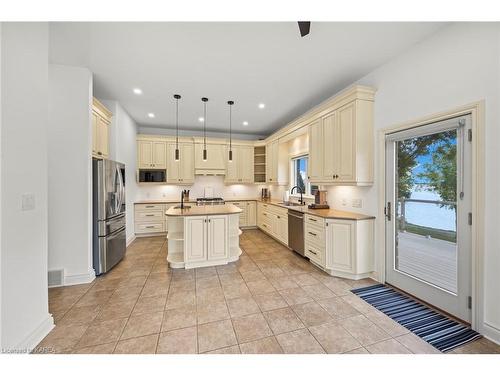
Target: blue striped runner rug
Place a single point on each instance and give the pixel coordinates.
(441, 332)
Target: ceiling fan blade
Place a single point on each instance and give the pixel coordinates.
(304, 27)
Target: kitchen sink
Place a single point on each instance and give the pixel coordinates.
(291, 204)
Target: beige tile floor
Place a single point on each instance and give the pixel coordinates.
(270, 301)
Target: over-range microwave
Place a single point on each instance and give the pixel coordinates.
(152, 175)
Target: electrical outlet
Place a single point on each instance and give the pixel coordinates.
(357, 203)
(28, 202)
(344, 202)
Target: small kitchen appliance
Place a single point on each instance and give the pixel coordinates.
(266, 193)
(320, 200)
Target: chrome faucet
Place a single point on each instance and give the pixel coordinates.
(301, 200)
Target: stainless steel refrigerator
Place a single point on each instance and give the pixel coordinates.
(108, 201)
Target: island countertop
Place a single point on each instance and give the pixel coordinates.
(219, 209)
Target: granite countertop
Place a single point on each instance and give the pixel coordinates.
(324, 213)
(220, 209)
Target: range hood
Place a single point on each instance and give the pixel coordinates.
(215, 165)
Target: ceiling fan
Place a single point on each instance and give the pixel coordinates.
(304, 27)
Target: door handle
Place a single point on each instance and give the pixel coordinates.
(387, 211)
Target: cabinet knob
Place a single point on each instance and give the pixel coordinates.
(99, 153)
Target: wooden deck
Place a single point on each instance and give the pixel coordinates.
(429, 259)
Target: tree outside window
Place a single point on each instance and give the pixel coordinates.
(299, 175)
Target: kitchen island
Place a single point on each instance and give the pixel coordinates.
(201, 236)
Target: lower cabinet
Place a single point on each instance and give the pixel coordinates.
(273, 220)
(149, 219)
(206, 238)
(341, 247)
(248, 216)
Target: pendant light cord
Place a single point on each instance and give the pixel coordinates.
(177, 123)
(204, 125)
(230, 127)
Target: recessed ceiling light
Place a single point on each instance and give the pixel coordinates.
(137, 91)
(200, 119)
(262, 105)
(245, 123)
(151, 115)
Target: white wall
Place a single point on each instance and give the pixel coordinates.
(457, 66)
(122, 143)
(25, 319)
(237, 191)
(70, 173)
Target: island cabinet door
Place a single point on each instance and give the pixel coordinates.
(195, 238)
(218, 237)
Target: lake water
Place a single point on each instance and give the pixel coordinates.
(429, 215)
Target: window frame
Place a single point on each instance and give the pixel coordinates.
(307, 193)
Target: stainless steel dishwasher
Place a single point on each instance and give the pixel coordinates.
(296, 231)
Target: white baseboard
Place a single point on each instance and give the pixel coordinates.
(130, 239)
(491, 333)
(83, 278)
(35, 337)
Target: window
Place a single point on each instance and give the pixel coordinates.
(299, 175)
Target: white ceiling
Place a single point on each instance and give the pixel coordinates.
(249, 63)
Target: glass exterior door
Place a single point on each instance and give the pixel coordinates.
(427, 214)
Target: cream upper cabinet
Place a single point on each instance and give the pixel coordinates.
(272, 150)
(180, 171)
(152, 154)
(216, 159)
(316, 150)
(341, 145)
(101, 121)
(277, 163)
(240, 169)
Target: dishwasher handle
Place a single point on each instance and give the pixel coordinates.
(299, 216)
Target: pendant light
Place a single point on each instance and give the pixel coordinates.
(230, 130)
(177, 97)
(204, 100)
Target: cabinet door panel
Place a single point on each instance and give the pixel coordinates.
(340, 245)
(251, 214)
(95, 119)
(173, 167)
(159, 155)
(217, 237)
(346, 134)
(145, 154)
(232, 173)
(186, 166)
(330, 146)
(102, 137)
(246, 164)
(195, 237)
(315, 151)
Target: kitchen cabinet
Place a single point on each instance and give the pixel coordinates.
(247, 217)
(101, 121)
(273, 220)
(151, 154)
(180, 171)
(277, 163)
(216, 159)
(342, 248)
(341, 145)
(149, 219)
(206, 238)
(241, 168)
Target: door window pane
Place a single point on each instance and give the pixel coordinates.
(426, 196)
